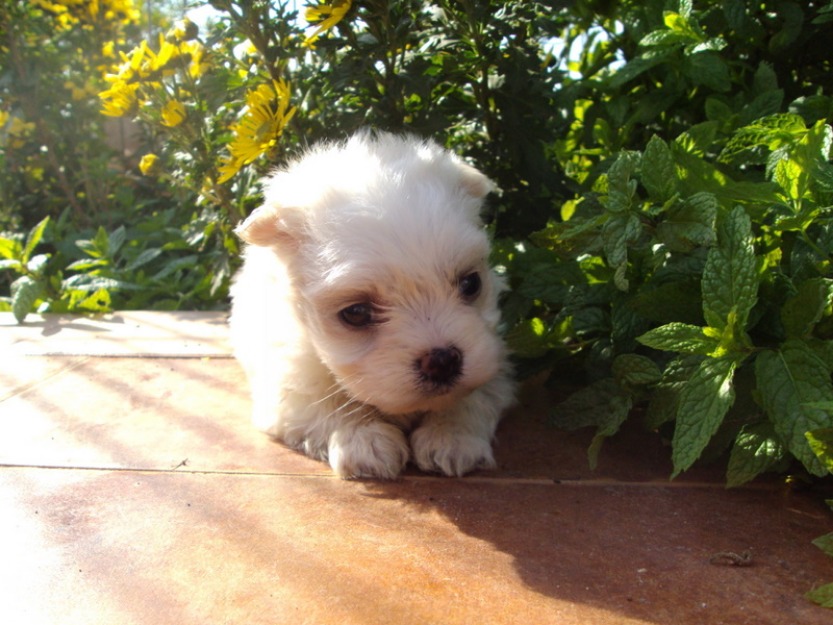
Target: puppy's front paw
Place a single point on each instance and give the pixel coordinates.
(448, 448)
(375, 449)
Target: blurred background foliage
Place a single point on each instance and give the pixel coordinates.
(623, 136)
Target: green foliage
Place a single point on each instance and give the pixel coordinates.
(699, 235)
(823, 595)
(664, 219)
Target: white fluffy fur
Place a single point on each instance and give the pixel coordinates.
(391, 221)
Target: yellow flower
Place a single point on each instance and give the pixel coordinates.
(173, 114)
(20, 128)
(18, 131)
(195, 51)
(182, 30)
(4, 117)
(167, 52)
(267, 114)
(119, 99)
(148, 164)
(328, 15)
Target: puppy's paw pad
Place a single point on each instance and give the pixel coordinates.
(373, 450)
(451, 451)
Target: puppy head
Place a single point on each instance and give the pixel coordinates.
(388, 258)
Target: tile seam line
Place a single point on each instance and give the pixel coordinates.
(408, 478)
(82, 359)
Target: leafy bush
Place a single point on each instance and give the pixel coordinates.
(691, 272)
(664, 220)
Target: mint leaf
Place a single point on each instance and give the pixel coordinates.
(756, 450)
(680, 337)
(825, 543)
(823, 596)
(788, 380)
(603, 404)
(34, 237)
(690, 224)
(704, 402)
(589, 406)
(730, 278)
(677, 300)
(665, 397)
(25, 292)
(620, 187)
(618, 233)
(803, 311)
(633, 370)
(821, 442)
(659, 173)
(618, 409)
(709, 69)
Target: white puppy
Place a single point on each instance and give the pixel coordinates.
(365, 313)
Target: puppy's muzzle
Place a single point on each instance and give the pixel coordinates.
(440, 368)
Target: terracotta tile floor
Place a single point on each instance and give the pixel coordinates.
(132, 490)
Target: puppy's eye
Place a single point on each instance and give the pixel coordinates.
(469, 286)
(357, 315)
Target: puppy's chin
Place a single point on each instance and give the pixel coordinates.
(418, 402)
(389, 382)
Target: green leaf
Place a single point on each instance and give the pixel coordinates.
(821, 442)
(633, 370)
(792, 177)
(665, 397)
(34, 237)
(697, 174)
(618, 233)
(115, 240)
(98, 246)
(805, 309)
(10, 248)
(25, 292)
(680, 337)
(85, 264)
(618, 409)
(621, 188)
(690, 224)
(145, 257)
(704, 402)
(825, 543)
(673, 301)
(823, 596)
(730, 278)
(99, 301)
(186, 262)
(659, 173)
(529, 339)
(709, 69)
(587, 406)
(603, 404)
(789, 380)
(756, 450)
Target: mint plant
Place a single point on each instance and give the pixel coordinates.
(703, 295)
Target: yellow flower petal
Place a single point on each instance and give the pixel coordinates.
(266, 115)
(173, 114)
(326, 16)
(148, 164)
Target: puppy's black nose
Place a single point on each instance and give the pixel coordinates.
(441, 366)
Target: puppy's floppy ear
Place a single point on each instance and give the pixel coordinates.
(474, 182)
(266, 226)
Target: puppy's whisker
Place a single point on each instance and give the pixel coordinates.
(336, 389)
